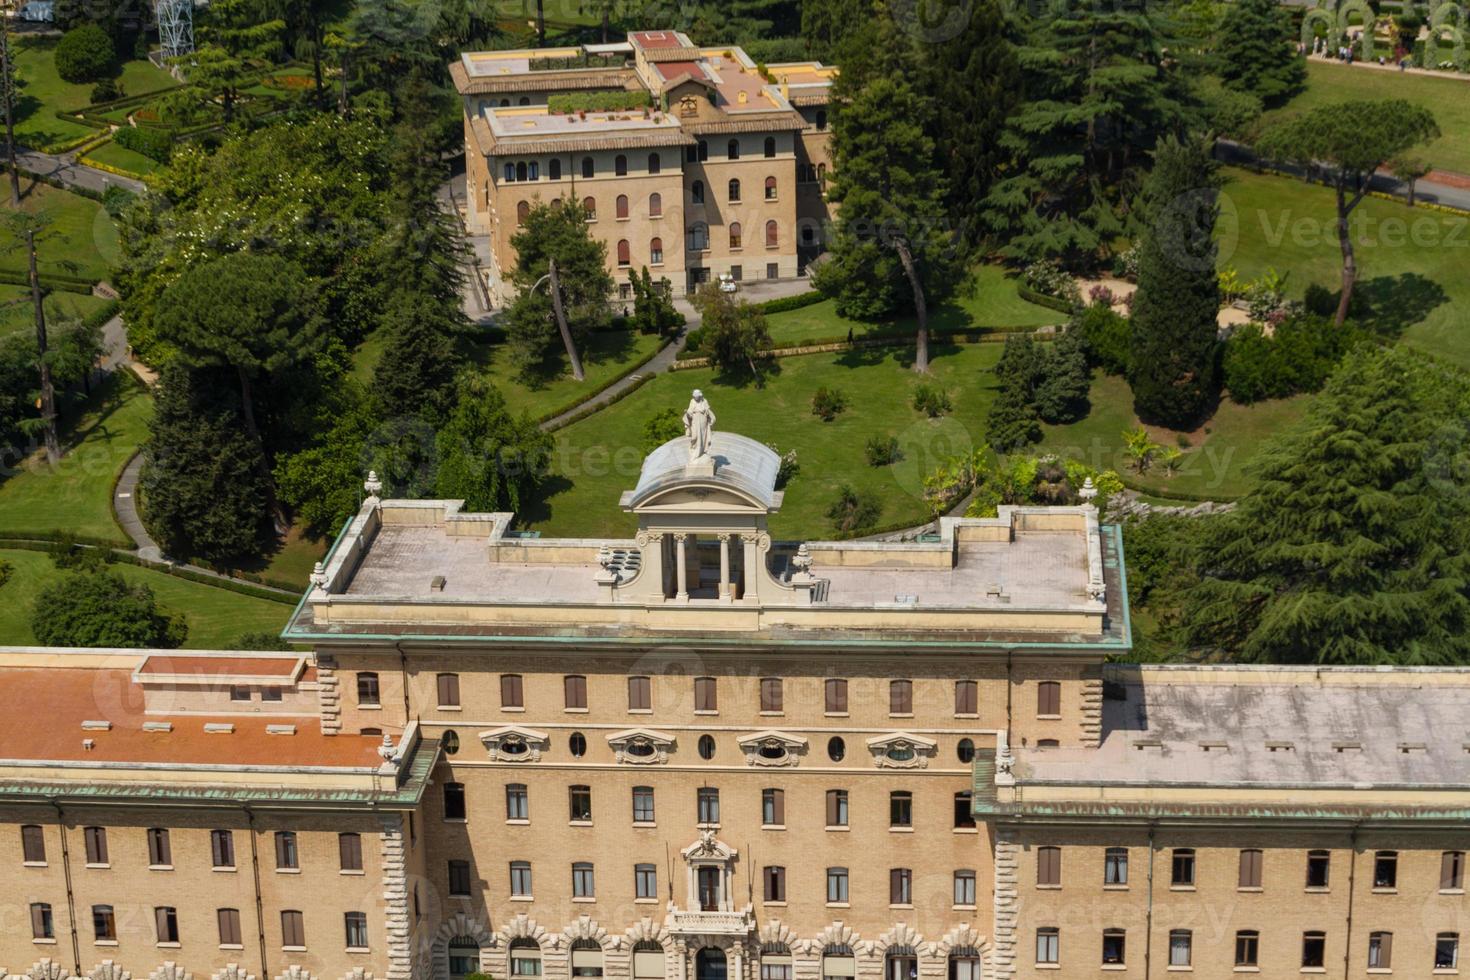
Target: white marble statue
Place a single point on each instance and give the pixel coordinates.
(699, 426)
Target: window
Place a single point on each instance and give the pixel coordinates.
(588, 168)
(775, 961)
(773, 238)
(553, 169)
(520, 879)
(836, 693)
(1115, 866)
(1380, 950)
(705, 696)
(699, 240)
(534, 168)
(228, 921)
(965, 751)
(287, 856)
(707, 808)
(737, 273)
(511, 695)
(349, 850)
(270, 694)
(964, 809)
(625, 253)
(239, 692)
(1048, 867)
(966, 698)
(655, 165)
(648, 960)
(900, 808)
(42, 925)
(1447, 951)
(525, 958)
(1048, 699)
(902, 963)
(771, 699)
(838, 963)
(32, 844)
(732, 150)
(356, 925)
(620, 165)
(733, 192)
(448, 685)
(645, 881)
(1048, 945)
(821, 118)
(589, 204)
(706, 747)
(622, 206)
(770, 188)
(900, 697)
(577, 745)
(104, 925)
(95, 839)
(836, 885)
(836, 808)
(900, 886)
(367, 688)
(1181, 869)
(696, 192)
(586, 958)
(1181, 947)
(1114, 947)
(575, 688)
(1452, 871)
(1250, 868)
(160, 854)
(643, 804)
(735, 234)
(774, 879)
(521, 172)
(293, 929)
(1386, 869)
(1318, 863)
(964, 888)
(454, 805)
(770, 147)
(580, 803)
(459, 877)
(464, 957)
(1314, 948)
(450, 741)
(1247, 948)
(583, 883)
(656, 255)
(510, 172)
(517, 803)
(773, 807)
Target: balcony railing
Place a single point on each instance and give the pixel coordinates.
(713, 923)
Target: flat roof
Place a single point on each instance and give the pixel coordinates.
(539, 122)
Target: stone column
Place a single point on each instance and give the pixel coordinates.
(725, 590)
(681, 584)
(752, 566)
(651, 546)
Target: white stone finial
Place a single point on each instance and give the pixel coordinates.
(605, 557)
(803, 560)
(319, 576)
(386, 749)
(373, 485)
(699, 426)
(1088, 493)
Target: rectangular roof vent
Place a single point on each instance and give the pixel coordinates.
(1410, 747)
(158, 726)
(1147, 743)
(218, 728)
(1272, 746)
(280, 729)
(96, 726)
(1214, 745)
(1347, 746)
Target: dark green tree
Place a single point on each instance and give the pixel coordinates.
(1014, 422)
(1354, 546)
(101, 609)
(85, 54)
(420, 359)
(1256, 51)
(488, 457)
(323, 482)
(556, 231)
(203, 490)
(1062, 389)
(736, 338)
(653, 308)
(1175, 311)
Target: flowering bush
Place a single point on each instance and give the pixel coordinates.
(1050, 279)
(1101, 294)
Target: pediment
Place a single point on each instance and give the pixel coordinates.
(703, 499)
(901, 750)
(709, 848)
(515, 743)
(771, 747)
(641, 746)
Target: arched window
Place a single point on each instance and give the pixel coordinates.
(656, 251)
(622, 206)
(524, 100)
(696, 191)
(620, 165)
(625, 254)
(648, 960)
(521, 170)
(821, 118)
(710, 964)
(655, 165)
(770, 188)
(655, 205)
(773, 236)
(703, 151)
(838, 963)
(734, 189)
(901, 963)
(525, 958)
(589, 204)
(505, 103)
(734, 234)
(535, 170)
(586, 958)
(588, 169)
(699, 237)
(464, 957)
(523, 211)
(553, 169)
(732, 149)
(770, 146)
(775, 961)
(510, 172)
(964, 962)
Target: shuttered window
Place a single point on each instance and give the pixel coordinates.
(449, 690)
(1049, 866)
(510, 691)
(773, 807)
(775, 883)
(836, 696)
(900, 697)
(293, 929)
(33, 844)
(222, 848)
(705, 695)
(900, 886)
(966, 698)
(286, 856)
(349, 848)
(1250, 868)
(575, 686)
(640, 694)
(837, 808)
(1048, 698)
(42, 924)
(1452, 871)
(160, 854)
(166, 924)
(771, 699)
(95, 839)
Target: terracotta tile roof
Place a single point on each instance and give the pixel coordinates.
(218, 667)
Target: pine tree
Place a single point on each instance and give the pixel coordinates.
(559, 231)
(1014, 422)
(1256, 52)
(489, 458)
(1061, 391)
(1354, 547)
(419, 362)
(1176, 308)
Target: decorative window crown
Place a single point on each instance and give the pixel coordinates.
(641, 746)
(512, 743)
(772, 748)
(901, 750)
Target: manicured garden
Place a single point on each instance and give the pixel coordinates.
(43, 92)
(115, 157)
(216, 617)
(16, 315)
(79, 240)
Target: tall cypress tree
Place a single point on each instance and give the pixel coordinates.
(1172, 363)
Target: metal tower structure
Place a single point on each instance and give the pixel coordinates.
(175, 27)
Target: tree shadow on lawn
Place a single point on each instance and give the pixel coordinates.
(602, 346)
(106, 400)
(765, 370)
(540, 510)
(1395, 303)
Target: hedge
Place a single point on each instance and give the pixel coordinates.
(1180, 495)
(882, 338)
(783, 304)
(121, 100)
(568, 103)
(154, 143)
(588, 396)
(1041, 299)
(47, 541)
(68, 284)
(591, 410)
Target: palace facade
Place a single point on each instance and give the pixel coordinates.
(719, 172)
(697, 753)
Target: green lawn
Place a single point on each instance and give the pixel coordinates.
(79, 240)
(216, 617)
(599, 457)
(608, 355)
(43, 92)
(1448, 98)
(994, 303)
(1412, 263)
(76, 496)
(16, 315)
(124, 159)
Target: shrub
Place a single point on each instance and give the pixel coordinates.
(103, 610)
(116, 199)
(782, 304)
(788, 466)
(852, 512)
(6, 570)
(1050, 279)
(261, 641)
(85, 54)
(883, 450)
(932, 401)
(1298, 358)
(154, 142)
(1107, 336)
(1319, 300)
(828, 403)
(106, 90)
(617, 101)
(661, 427)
